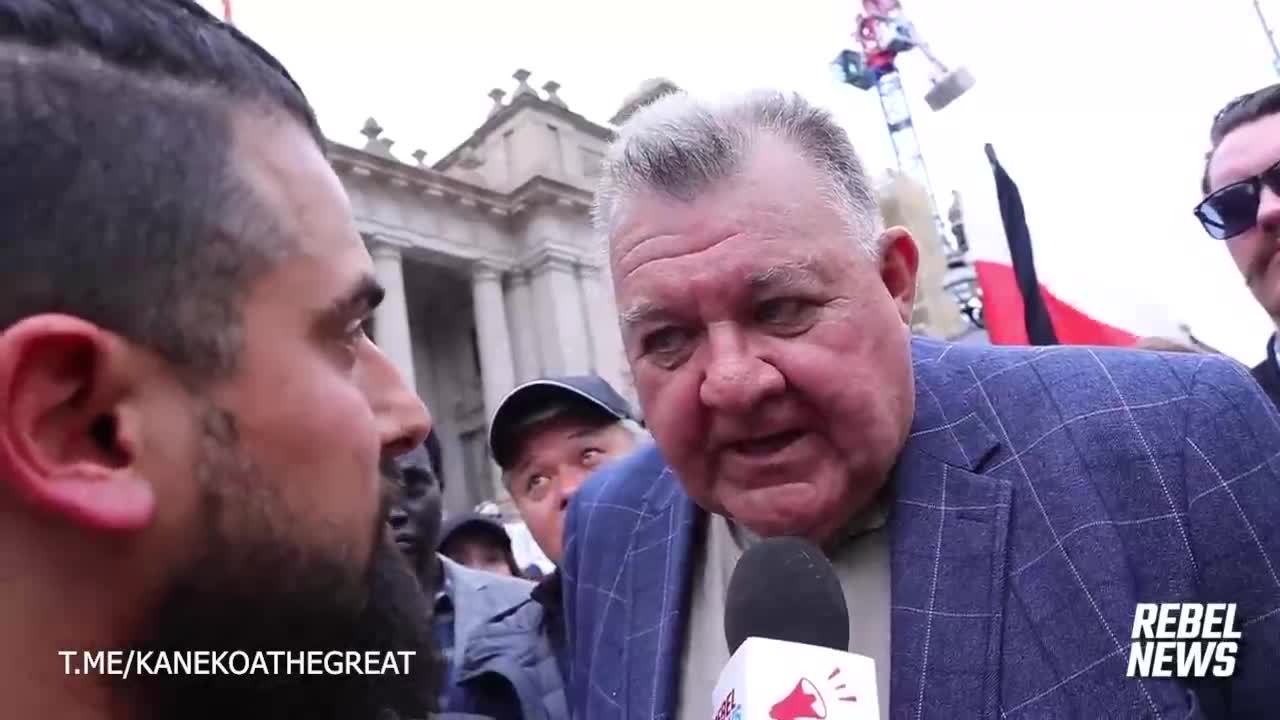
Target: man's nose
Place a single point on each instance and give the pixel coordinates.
(570, 479)
(1269, 212)
(397, 518)
(402, 419)
(736, 380)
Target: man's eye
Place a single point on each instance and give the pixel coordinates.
(591, 456)
(665, 341)
(782, 311)
(536, 483)
(349, 341)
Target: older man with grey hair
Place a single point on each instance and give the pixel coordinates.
(994, 514)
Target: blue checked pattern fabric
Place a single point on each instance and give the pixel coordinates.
(1042, 494)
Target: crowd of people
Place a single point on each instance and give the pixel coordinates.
(201, 450)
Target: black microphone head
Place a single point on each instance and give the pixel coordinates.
(785, 589)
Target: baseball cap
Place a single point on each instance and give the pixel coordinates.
(476, 522)
(589, 391)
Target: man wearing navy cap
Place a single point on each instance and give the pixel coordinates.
(547, 435)
(480, 542)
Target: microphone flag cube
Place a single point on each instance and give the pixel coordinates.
(776, 680)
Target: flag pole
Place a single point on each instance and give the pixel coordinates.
(1271, 38)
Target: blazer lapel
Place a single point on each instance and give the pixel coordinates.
(949, 528)
(659, 561)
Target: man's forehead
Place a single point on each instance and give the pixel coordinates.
(744, 240)
(649, 216)
(329, 270)
(1246, 151)
(290, 177)
(557, 430)
(771, 266)
(776, 191)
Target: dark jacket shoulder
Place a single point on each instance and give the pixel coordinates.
(513, 666)
(1267, 373)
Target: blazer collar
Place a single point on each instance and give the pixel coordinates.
(665, 489)
(948, 424)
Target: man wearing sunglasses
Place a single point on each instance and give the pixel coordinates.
(1242, 204)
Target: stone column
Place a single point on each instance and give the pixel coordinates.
(497, 373)
(391, 318)
(523, 332)
(562, 335)
(602, 323)
(424, 362)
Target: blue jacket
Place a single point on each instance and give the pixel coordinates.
(1041, 495)
(476, 596)
(513, 668)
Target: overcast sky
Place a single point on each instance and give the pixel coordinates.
(1099, 109)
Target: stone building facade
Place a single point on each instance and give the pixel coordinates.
(904, 202)
(492, 273)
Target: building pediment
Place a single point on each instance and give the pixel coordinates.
(508, 112)
(351, 162)
(538, 190)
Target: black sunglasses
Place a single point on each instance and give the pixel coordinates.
(1233, 209)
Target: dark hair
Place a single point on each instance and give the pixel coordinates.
(1241, 111)
(471, 526)
(119, 200)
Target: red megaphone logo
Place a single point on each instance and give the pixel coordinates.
(804, 702)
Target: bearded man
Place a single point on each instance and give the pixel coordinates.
(191, 417)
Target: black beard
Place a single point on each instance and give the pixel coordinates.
(262, 591)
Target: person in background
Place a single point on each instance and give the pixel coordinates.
(994, 514)
(463, 598)
(1241, 205)
(548, 436)
(480, 542)
(191, 417)
(416, 514)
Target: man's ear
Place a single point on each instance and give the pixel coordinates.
(899, 265)
(68, 439)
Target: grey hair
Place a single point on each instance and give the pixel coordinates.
(637, 430)
(680, 146)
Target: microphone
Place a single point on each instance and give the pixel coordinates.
(787, 627)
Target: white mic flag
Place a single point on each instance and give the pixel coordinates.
(777, 680)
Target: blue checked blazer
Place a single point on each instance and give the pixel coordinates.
(1041, 495)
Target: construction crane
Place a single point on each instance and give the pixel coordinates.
(884, 33)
